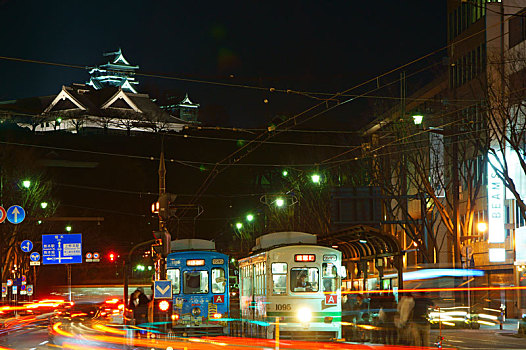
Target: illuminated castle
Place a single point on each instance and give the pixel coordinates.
(116, 72)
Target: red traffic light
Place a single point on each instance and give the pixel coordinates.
(164, 305)
(111, 256)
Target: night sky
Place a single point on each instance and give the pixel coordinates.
(301, 45)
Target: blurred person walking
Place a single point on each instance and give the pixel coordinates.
(405, 317)
(421, 326)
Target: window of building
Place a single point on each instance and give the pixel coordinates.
(329, 276)
(195, 282)
(304, 279)
(279, 278)
(174, 275)
(517, 28)
(218, 280)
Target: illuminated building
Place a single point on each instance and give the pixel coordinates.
(116, 72)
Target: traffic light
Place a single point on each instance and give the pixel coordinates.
(165, 200)
(166, 240)
(112, 256)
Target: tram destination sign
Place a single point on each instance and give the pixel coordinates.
(62, 249)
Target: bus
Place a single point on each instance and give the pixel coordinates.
(291, 280)
(200, 288)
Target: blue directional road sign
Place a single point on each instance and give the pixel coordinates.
(26, 246)
(35, 256)
(62, 249)
(15, 214)
(162, 290)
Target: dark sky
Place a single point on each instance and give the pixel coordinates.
(302, 45)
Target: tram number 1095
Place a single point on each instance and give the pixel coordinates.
(283, 307)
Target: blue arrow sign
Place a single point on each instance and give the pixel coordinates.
(26, 246)
(35, 256)
(16, 214)
(162, 290)
(62, 249)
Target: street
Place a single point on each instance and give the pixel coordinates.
(480, 339)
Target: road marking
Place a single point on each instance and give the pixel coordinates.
(44, 342)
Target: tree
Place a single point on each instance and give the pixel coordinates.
(16, 166)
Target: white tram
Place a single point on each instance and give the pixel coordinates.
(291, 278)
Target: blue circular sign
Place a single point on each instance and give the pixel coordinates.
(34, 256)
(26, 246)
(15, 214)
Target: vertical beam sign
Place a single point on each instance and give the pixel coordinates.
(496, 191)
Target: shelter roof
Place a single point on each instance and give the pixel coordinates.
(362, 242)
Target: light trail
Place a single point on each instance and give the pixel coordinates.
(432, 290)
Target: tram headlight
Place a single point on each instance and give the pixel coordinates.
(304, 315)
(196, 311)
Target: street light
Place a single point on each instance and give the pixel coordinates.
(239, 226)
(280, 202)
(417, 119)
(43, 205)
(250, 217)
(315, 178)
(482, 227)
(68, 228)
(26, 183)
(285, 173)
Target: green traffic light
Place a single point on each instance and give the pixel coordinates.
(26, 183)
(250, 217)
(417, 119)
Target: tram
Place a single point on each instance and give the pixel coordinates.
(292, 283)
(200, 288)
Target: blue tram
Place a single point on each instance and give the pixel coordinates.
(200, 287)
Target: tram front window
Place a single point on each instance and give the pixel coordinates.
(304, 279)
(279, 278)
(195, 282)
(330, 277)
(174, 276)
(218, 280)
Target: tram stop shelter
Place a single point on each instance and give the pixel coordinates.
(362, 245)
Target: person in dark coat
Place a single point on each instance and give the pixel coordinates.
(141, 311)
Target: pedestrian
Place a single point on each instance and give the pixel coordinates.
(142, 307)
(421, 326)
(405, 315)
(386, 316)
(132, 305)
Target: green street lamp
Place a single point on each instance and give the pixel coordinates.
(239, 226)
(43, 205)
(315, 178)
(417, 119)
(280, 202)
(59, 120)
(250, 217)
(285, 173)
(26, 183)
(68, 228)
